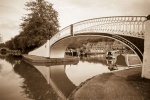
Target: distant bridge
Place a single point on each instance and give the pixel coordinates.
(4, 49)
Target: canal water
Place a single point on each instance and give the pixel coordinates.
(20, 80)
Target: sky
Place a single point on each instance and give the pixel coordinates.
(69, 12)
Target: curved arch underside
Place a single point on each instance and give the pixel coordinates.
(57, 50)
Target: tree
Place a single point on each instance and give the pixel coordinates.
(10, 44)
(39, 25)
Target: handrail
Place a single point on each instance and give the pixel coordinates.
(123, 25)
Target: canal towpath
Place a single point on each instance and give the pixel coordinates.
(121, 85)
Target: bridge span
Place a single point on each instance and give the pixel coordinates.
(130, 30)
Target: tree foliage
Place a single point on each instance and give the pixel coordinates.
(37, 26)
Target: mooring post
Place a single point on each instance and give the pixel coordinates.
(146, 57)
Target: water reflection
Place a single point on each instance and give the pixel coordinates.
(66, 77)
(62, 82)
(93, 65)
(112, 64)
(26, 82)
(9, 82)
(52, 81)
(97, 58)
(83, 71)
(34, 85)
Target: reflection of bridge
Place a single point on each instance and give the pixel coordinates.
(129, 30)
(57, 78)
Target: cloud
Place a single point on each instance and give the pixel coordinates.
(10, 17)
(71, 11)
(8, 30)
(103, 8)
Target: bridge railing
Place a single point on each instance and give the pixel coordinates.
(122, 25)
(62, 33)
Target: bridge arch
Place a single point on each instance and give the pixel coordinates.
(58, 48)
(4, 49)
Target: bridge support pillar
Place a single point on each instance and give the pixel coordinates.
(146, 58)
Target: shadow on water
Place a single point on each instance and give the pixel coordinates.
(35, 85)
(120, 60)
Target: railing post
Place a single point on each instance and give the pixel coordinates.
(71, 29)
